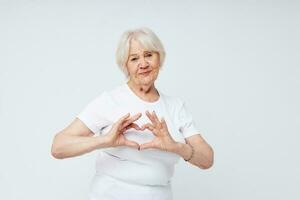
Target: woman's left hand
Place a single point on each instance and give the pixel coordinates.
(163, 139)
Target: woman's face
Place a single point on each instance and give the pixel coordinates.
(142, 65)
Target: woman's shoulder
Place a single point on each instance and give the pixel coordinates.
(110, 92)
(105, 95)
(113, 95)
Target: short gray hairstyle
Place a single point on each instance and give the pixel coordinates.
(146, 37)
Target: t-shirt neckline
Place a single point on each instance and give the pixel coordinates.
(141, 100)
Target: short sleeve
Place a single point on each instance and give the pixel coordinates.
(94, 115)
(185, 121)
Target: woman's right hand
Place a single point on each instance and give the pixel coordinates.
(115, 137)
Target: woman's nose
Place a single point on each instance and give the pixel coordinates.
(143, 63)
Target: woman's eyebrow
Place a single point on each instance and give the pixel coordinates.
(135, 54)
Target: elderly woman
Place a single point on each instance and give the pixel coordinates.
(140, 131)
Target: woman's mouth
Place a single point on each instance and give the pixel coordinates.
(145, 73)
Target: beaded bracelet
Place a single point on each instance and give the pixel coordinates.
(191, 153)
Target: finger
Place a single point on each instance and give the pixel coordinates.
(132, 144)
(155, 117)
(121, 120)
(152, 129)
(148, 126)
(135, 126)
(135, 117)
(147, 145)
(132, 119)
(164, 124)
(151, 118)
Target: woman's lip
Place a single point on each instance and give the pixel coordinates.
(145, 73)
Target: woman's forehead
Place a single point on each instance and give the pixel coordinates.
(137, 48)
(136, 53)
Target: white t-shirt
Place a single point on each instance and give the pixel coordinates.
(148, 166)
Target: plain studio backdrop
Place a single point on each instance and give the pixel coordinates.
(235, 63)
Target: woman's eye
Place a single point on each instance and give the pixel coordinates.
(133, 59)
(148, 55)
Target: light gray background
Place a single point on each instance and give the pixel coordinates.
(236, 63)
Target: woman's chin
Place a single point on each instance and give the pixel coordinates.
(146, 80)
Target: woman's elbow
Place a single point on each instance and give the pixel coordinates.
(55, 150)
(56, 154)
(206, 165)
(209, 161)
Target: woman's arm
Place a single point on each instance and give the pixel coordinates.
(203, 155)
(76, 139)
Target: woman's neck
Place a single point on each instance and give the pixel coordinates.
(146, 92)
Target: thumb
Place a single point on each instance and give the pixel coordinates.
(132, 144)
(146, 145)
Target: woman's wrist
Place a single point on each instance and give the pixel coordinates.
(103, 141)
(191, 155)
(186, 151)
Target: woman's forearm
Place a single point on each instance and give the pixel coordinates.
(65, 146)
(202, 156)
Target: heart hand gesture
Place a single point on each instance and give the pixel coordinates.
(163, 139)
(116, 137)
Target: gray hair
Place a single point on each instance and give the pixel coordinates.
(146, 37)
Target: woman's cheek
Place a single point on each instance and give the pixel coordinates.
(155, 72)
